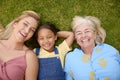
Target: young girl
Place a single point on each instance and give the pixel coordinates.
(51, 57)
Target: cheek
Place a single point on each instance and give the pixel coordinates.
(93, 36)
(39, 42)
(52, 41)
(77, 40)
(30, 35)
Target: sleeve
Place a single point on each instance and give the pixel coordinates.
(67, 70)
(118, 56)
(63, 50)
(110, 63)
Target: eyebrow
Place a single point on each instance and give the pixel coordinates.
(77, 31)
(29, 23)
(85, 29)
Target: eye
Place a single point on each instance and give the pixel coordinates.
(40, 38)
(49, 37)
(25, 24)
(78, 33)
(32, 29)
(88, 31)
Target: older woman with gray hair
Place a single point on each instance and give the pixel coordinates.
(93, 59)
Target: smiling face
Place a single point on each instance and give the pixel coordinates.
(85, 36)
(24, 29)
(46, 39)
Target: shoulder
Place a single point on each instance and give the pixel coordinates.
(63, 43)
(73, 53)
(31, 58)
(29, 52)
(35, 49)
(64, 47)
(30, 55)
(108, 47)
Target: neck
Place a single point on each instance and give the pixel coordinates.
(88, 51)
(11, 44)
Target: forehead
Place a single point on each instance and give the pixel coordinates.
(83, 27)
(45, 31)
(29, 20)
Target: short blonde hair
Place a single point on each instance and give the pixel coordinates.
(9, 28)
(94, 23)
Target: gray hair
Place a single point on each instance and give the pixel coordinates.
(94, 23)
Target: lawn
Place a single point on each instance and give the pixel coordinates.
(61, 12)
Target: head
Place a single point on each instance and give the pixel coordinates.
(88, 31)
(46, 36)
(26, 19)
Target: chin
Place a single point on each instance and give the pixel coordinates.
(50, 50)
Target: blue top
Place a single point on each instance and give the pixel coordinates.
(104, 64)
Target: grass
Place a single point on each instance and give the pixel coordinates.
(61, 12)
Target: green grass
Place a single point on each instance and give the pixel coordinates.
(61, 13)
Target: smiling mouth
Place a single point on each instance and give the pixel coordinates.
(46, 45)
(85, 41)
(22, 35)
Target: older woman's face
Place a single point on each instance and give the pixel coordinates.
(25, 28)
(85, 36)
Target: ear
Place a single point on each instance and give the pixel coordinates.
(14, 24)
(75, 38)
(96, 34)
(56, 37)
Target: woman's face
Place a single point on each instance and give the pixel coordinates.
(24, 29)
(46, 39)
(85, 36)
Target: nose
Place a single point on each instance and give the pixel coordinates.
(45, 40)
(83, 34)
(27, 29)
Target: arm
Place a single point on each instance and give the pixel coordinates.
(67, 35)
(67, 70)
(32, 66)
(118, 56)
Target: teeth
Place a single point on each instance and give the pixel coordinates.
(86, 40)
(46, 45)
(23, 34)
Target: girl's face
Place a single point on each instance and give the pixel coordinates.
(25, 28)
(85, 36)
(46, 39)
